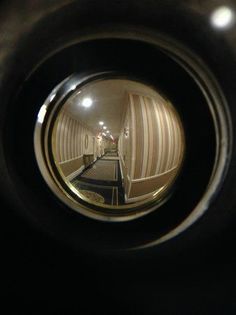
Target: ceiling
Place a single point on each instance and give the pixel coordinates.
(108, 103)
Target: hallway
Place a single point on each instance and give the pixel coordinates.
(118, 142)
(101, 182)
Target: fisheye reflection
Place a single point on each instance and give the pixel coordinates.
(118, 142)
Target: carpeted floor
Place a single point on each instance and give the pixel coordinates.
(91, 195)
(113, 158)
(111, 154)
(110, 194)
(102, 170)
(104, 179)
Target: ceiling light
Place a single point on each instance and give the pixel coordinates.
(107, 131)
(87, 102)
(101, 123)
(104, 127)
(222, 17)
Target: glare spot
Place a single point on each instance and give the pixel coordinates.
(222, 17)
(52, 97)
(73, 87)
(42, 114)
(87, 102)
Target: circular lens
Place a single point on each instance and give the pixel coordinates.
(112, 146)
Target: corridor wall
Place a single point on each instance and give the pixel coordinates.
(71, 140)
(150, 145)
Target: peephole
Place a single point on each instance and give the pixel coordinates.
(117, 154)
(111, 147)
(121, 142)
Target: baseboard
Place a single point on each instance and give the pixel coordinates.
(76, 173)
(142, 197)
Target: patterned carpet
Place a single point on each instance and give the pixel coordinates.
(102, 182)
(102, 170)
(91, 195)
(102, 193)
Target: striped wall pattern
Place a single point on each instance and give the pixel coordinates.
(157, 137)
(125, 146)
(69, 144)
(125, 142)
(154, 146)
(69, 137)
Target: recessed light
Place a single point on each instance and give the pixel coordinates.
(104, 127)
(101, 123)
(87, 102)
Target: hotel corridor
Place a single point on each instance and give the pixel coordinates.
(117, 142)
(101, 182)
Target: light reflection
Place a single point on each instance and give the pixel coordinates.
(223, 17)
(87, 102)
(42, 114)
(52, 97)
(73, 87)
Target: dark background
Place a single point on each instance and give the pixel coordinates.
(42, 273)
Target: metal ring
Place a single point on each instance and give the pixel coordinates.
(219, 110)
